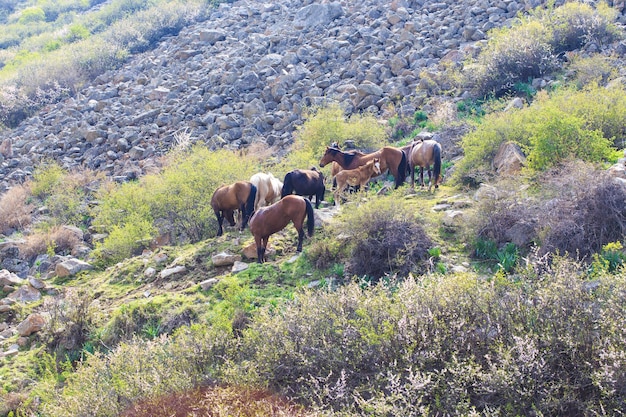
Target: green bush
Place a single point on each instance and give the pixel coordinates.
(176, 202)
(32, 15)
(559, 136)
(530, 48)
(325, 125)
(566, 124)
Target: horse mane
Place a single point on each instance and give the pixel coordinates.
(347, 156)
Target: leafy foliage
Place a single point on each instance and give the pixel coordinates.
(530, 48)
(329, 124)
(556, 127)
(176, 202)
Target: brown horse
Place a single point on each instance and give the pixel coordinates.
(423, 154)
(271, 219)
(306, 182)
(391, 159)
(228, 198)
(356, 177)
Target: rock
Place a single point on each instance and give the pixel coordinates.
(317, 15)
(25, 294)
(239, 266)
(208, 283)
(225, 259)
(453, 218)
(149, 272)
(168, 272)
(32, 324)
(509, 159)
(71, 267)
(250, 251)
(9, 278)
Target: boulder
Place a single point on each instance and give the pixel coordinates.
(32, 324)
(509, 159)
(9, 278)
(71, 267)
(225, 259)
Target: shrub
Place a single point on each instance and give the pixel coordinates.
(567, 124)
(56, 240)
(596, 69)
(32, 15)
(575, 210)
(325, 125)
(559, 136)
(15, 209)
(595, 204)
(175, 202)
(529, 48)
(383, 238)
(575, 24)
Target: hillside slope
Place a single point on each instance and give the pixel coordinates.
(247, 74)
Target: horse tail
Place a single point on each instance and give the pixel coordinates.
(250, 201)
(287, 186)
(401, 177)
(437, 164)
(310, 217)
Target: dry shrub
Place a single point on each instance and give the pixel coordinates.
(587, 212)
(384, 238)
(576, 211)
(217, 402)
(15, 210)
(504, 215)
(60, 240)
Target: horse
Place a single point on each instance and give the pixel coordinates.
(271, 219)
(391, 159)
(424, 154)
(356, 177)
(305, 182)
(268, 189)
(228, 198)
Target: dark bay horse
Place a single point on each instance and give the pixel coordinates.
(306, 182)
(228, 198)
(391, 159)
(271, 219)
(423, 154)
(356, 177)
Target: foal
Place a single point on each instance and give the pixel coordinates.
(356, 177)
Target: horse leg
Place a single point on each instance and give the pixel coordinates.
(422, 176)
(220, 220)
(412, 176)
(300, 238)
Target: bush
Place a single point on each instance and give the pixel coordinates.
(530, 48)
(575, 211)
(383, 238)
(15, 209)
(32, 15)
(595, 204)
(556, 127)
(174, 203)
(325, 125)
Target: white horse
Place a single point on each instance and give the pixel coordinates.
(268, 189)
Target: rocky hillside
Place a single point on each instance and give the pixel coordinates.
(246, 74)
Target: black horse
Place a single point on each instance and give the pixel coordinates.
(305, 182)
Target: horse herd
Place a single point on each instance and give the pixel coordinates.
(268, 204)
